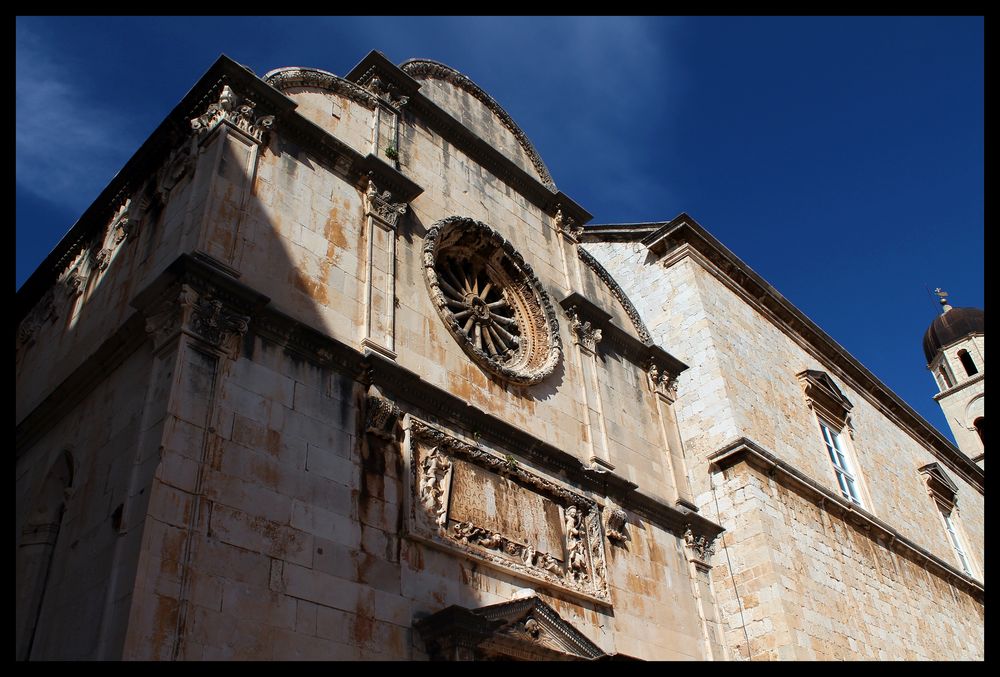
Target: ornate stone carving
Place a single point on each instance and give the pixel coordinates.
(587, 335)
(44, 311)
(662, 382)
(102, 258)
(381, 417)
(215, 323)
(617, 292)
(289, 78)
(563, 548)
(618, 526)
(382, 206)
(433, 472)
(125, 228)
(424, 68)
(491, 301)
(387, 93)
(702, 547)
(236, 110)
(567, 224)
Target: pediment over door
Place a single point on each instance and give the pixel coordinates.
(523, 629)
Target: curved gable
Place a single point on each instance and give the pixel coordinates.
(469, 104)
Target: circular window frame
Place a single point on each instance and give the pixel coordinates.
(486, 256)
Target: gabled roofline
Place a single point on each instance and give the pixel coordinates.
(661, 238)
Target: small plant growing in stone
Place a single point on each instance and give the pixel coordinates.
(391, 152)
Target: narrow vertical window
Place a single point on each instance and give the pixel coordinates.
(841, 466)
(944, 378)
(966, 358)
(956, 542)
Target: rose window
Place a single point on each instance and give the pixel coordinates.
(491, 301)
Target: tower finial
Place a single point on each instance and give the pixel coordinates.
(943, 295)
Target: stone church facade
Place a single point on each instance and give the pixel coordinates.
(332, 370)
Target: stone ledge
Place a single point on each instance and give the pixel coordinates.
(745, 450)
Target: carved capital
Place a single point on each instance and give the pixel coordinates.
(702, 547)
(238, 111)
(382, 206)
(218, 325)
(585, 333)
(102, 258)
(662, 382)
(567, 225)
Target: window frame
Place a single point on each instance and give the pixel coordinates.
(848, 481)
(956, 538)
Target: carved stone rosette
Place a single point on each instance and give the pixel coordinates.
(236, 110)
(491, 301)
(533, 529)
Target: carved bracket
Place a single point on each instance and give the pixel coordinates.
(237, 111)
(381, 205)
(201, 316)
(702, 547)
(618, 527)
(586, 334)
(381, 417)
(661, 381)
(536, 529)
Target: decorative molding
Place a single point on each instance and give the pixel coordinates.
(633, 315)
(425, 68)
(745, 450)
(236, 110)
(382, 206)
(618, 526)
(683, 236)
(824, 397)
(514, 336)
(940, 487)
(577, 566)
(521, 629)
(315, 78)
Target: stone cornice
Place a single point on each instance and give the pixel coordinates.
(174, 131)
(291, 77)
(402, 385)
(425, 68)
(641, 353)
(683, 236)
(617, 292)
(746, 450)
(543, 195)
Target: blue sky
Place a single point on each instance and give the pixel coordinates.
(841, 158)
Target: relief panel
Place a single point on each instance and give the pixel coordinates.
(466, 499)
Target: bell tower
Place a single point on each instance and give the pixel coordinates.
(955, 348)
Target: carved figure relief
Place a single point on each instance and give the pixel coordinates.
(474, 501)
(432, 480)
(491, 301)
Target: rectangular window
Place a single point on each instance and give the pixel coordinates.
(956, 542)
(841, 466)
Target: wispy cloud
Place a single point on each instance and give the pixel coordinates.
(67, 146)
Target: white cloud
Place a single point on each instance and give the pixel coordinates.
(67, 148)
